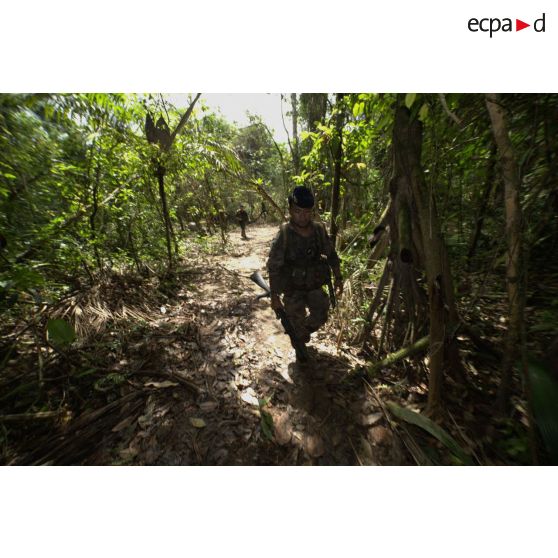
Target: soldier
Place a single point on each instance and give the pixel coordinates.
(299, 265)
(242, 218)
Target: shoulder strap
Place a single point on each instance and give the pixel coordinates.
(322, 235)
(284, 229)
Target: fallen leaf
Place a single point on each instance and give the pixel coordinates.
(283, 429)
(164, 384)
(197, 422)
(370, 420)
(249, 398)
(313, 445)
(366, 453)
(380, 435)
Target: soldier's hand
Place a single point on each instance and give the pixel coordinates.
(338, 287)
(276, 303)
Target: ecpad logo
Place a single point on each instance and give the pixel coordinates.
(493, 25)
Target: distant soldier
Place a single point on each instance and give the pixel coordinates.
(300, 263)
(263, 213)
(242, 218)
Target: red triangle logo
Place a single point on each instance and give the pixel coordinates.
(519, 25)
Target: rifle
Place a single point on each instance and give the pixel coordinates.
(300, 348)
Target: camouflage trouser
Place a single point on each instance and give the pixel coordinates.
(296, 303)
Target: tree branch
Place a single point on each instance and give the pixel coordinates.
(448, 111)
(286, 131)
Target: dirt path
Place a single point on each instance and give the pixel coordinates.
(255, 405)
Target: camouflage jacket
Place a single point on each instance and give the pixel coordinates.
(298, 262)
(242, 216)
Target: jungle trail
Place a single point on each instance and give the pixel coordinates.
(133, 328)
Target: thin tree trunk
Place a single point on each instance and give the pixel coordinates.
(166, 217)
(296, 150)
(369, 322)
(218, 209)
(287, 132)
(407, 150)
(335, 192)
(490, 175)
(93, 216)
(132, 247)
(510, 171)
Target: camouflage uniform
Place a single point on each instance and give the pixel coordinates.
(298, 268)
(242, 218)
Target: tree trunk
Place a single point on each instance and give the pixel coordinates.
(338, 156)
(296, 149)
(166, 217)
(490, 175)
(93, 217)
(219, 210)
(514, 279)
(165, 143)
(407, 141)
(315, 107)
(132, 247)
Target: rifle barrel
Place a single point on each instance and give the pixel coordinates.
(282, 316)
(260, 281)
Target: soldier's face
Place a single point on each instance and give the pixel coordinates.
(301, 216)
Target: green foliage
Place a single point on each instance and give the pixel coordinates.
(60, 333)
(546, 320)
(544, 388)
(410, 99)
(432, 428)
(78, 191)
(513, 443)
(266, 421)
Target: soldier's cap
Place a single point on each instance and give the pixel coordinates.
(302, 197)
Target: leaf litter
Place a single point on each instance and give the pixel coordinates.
(209, 378)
